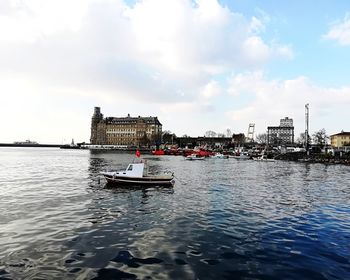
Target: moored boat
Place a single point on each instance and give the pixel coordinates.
(194, 157)
(136, 174)
(158, 152)
(240, 156)
(219, 155)
(263, 158)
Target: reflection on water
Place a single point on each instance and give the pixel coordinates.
(223, 218)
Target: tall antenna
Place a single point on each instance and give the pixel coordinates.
(307, 127)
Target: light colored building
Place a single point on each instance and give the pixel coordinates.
(282, 134)
(340, 139)
(124, 131)
(286, 122)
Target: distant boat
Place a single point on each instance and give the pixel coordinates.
(26, 143)
(263, 158)
(158, 153)
(194, 157)
(137, 174)
(219, 155)
(243, 155)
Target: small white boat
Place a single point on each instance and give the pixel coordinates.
(137, 174)
(219, 155)
(240, 156)
(263, 158)
(194, 157)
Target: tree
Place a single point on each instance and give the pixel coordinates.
(210, 133)
(168, 137)
(144, 140)
(238, 139)
(261, 138)
(301, 139)
(228, 132)
(274, 139)
(320, 138)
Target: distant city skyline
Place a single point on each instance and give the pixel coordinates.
(196, 65)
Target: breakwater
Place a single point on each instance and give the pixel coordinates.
(315, 158)
(30, 145)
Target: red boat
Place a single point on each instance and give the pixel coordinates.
(201, 153)
(158, 153)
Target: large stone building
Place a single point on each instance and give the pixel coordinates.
(282, 134)
(340, 139)
(124, 131)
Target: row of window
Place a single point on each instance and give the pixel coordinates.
(126, 136)
(281, 131)
(124, 131)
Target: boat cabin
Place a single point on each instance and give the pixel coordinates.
(133, 170)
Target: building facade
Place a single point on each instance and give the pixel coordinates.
(340, 139)
(286, 122)
(282, 134)
(124, 131)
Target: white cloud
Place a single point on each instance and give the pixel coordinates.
(256, 25)
(211, 89)
(30, 20)
(104, 52)
(340, 32)
(284, 51)
(102, 42)
(275, 99)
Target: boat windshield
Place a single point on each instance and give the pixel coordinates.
(130, 167)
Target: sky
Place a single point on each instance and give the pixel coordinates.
(197, 65)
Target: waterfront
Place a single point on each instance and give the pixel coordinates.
(223, 219)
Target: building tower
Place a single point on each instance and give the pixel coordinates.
(250, 135)
(286, 122)
(307, 127)
(282, 134)
(96, 118)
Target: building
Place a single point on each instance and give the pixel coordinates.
(210, 142)
(202, 141)
(340, 139)
(286, 122)
(282, 134)
(124, 131)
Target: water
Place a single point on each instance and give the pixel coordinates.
(223, 219)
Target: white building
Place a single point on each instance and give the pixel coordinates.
(282, 134)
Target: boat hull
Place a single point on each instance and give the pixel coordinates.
(264, 159)
(241, 157)
(144, 181)
(191, 158)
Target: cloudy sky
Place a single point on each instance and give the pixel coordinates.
(198, 65)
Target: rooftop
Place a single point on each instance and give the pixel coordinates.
(344, 133)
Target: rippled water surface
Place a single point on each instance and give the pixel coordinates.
(223, 219)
